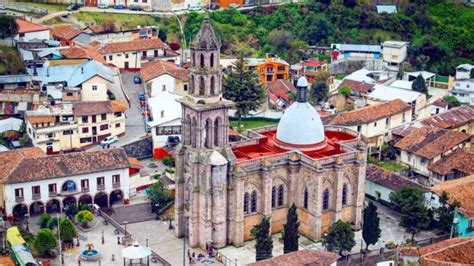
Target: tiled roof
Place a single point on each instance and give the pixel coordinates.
(97, 28)
(370, 113)
(358, 86)
(452, 118)
(153, 69)
(95, 108)
(281, 88)
(440, 103)
(460, 160)
(454, 251)
(403, 130)
(71, 164)
(9, 160)
(430, 142)
(135, 163)
(79, 52)
(313, 63)
(40, 119)
(389, 179)
(461, 190)
(65, 32)
(26, 26)
(300, 258)
(135, 45)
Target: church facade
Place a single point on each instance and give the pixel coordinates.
(225, 188)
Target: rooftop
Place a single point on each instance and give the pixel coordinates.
(95, 108)
(10, 79)
(26, 26)
(79, 52)
(280, 89)
(153, 69)
(460, 160)
(402, 84)
(302, 257)
(65, 32)
(396, 44)
(452, 118)
(358, 48)
(454, 251)
(358, 86)
(430, 142)
(10, 159)
(386, 9)
(390, 179)
(461, 190)
(206, 38)
(135, 45)
(388, 93)
(165, 108)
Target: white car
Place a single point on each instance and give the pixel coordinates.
(109, 140)
(194, 7)
(234, 5)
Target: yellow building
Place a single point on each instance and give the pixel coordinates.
(269, 68)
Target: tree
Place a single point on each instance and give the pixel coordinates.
(158, 193)
(371, 227)
(452, 101)
(86, 207)
(345, 90)
(318, 29)
(109, 26)
(445, 212)
(162, 35)
(415, 215)
(8, 26)
(419, 85)
(54, 221)
(67, 230)
(264, 245)
(84, 217)
(44, 220)
(71, 210)
(280, 39)
(291, 234)
(243, 87)
(319, 92)
(339, 238)
(45, 241)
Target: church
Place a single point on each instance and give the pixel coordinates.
(225, 188)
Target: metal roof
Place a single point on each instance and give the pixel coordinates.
(386, 9)
(6, 79)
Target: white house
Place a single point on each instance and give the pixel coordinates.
(387, 93)
(162, 76)
(34, 183)
(464, 85)
(28, 31)
(394, 52)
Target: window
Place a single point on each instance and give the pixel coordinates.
(126, 55)
(104, 127)
(85, 119)
(212, 60)
(103, 117)
(162, 113)
(387, 121)
(36, 190)
(281, 68)
(21, 34)
(144, 54)
(403, 117)
(105, 57)
(281, 195)
(85, 130)
(85, 185)
(94, 119)
(117, 114)
(326, 199)
(273, 196)
(111, 57)
(67, 132)
(253, 207)
(94, 87)
(269, 69)
(470, 224)
(50, 135)
(375, 124)
(213, 87)
(85, 140)
(100, 182)
(115, 179)
(437, 110)
(155, 53)
(201, 86)
(423, 161)
(344, 194)
(185, 87)
(246, 203)
(19, 193)
(359, 129)
(69, 94)
(305, 198)
(163, 87)
(117, 125)
(202, 60)
(52, 188)
(461, 94)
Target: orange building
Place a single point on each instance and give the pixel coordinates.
(226, 3)
(270, 68)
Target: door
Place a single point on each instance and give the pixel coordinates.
(126, 65)
(49, 150)
(94, 131)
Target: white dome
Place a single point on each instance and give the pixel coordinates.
(302, 82)
(300, 125)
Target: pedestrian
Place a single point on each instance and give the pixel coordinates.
(108, 146)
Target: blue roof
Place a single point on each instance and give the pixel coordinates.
(386, 9)
(358, 48)
(8, 79)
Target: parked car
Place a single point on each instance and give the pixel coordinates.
(73, 7)
(213, 6)
(102, 6)
(194, 7)
(172, 141)
(148, 9)
(135, 8)
(234, 5)
(109, 140)
(2, 7)
(119, 6)
(137, 80)
(141, 96)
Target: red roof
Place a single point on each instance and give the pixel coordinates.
(358, 86)
(26, 26)
(280, 89)
(313, 63)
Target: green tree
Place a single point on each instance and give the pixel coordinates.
(339, 238)
(371, 227)
(319, 92)
(45, 241)
(419, 85)
(445, 212)
(158, 193)
(71, 210)
(86, 207)
(24, 139)
(291, 234)
(415, 216)
(8, 26)
(243, 87)
(345, 90)
(84, 217)
(67, 230)
(54, 221)
(264, 245)
(280, 39)
(452, 101)
(44, 220)
(318, 30)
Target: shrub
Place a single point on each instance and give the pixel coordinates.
(44, 220)
(168, 161)
(86, 207)
(45, 241)
(84, 217)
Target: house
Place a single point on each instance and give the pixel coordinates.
(163, 76)
(375, 121)
(389, 9)
(34, 183)
(464, 85)
(453, 251)
(68, 126)
(308, 68)
(438, 106)
(65, 34)
(131, 55)
(457, 164)
(460, 119)
(279, 93)
(358, 88)
(80, 52)
(302, 257)
(346, 51)
(367, 76)
(383, 93)
(269, 68)
(28, 31)
(18, 93)
(460, 190)
(380, 183)
(426, 145)
(394, 52)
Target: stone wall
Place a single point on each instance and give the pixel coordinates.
(140, 149)
(345, 66)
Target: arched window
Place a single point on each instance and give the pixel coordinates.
(194, 133)
(212, 60)
(202, 60)
(191, 85)
(208, 130)
(217, 136)
(201, 86)
(281, 195)
(187, 135)
(246, 203)
(305, 198)
(253, 207)
(344, 194)
(274, 191)
(326, 199)
(213, 86)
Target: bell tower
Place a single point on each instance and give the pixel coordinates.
(204, 157)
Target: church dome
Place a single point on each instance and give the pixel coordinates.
(300, 126)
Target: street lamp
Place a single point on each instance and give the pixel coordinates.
(27, 225)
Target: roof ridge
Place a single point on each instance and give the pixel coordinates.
(467, 240)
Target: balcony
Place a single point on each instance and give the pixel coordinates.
(37, 196)
(100, 187)
(19, 198)
(116, 185)
(53, 194)
(85, 189)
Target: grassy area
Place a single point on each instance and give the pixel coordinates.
(340, 76)
(391, 166)
(48, 6)
(10, 61)
(253, 123)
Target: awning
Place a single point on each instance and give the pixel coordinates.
(14, 236)
(136, 252)
(22, 106)
(10, 124)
